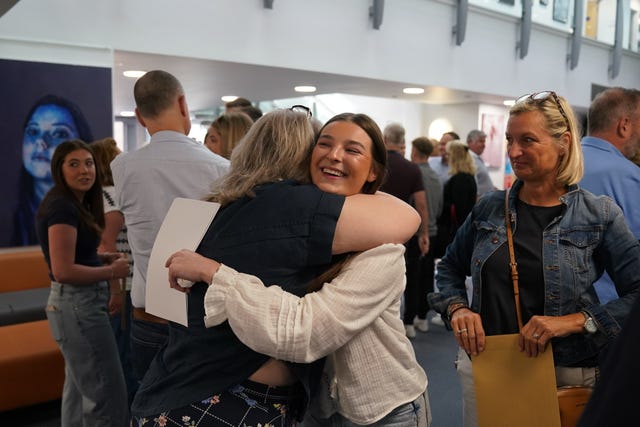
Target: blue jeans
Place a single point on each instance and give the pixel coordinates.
(412, 414)
(146, 339)
(94, 392)
(121, 325)
(465, 373)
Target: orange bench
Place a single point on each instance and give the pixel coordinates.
(31, 365)
(23, 268)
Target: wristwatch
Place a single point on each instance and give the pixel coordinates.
(589, 324)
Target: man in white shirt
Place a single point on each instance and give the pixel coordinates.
(476, 140)
(146, 182)
(440, 164)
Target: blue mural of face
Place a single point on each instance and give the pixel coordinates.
(48, 127)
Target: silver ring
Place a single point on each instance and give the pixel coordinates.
(535, 336)
(462, 331)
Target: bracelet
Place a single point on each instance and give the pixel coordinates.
(455, 307)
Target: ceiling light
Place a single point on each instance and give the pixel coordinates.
(127, 113)
(229, 98)
(413, 90)
(134, 74)
(509, 102)
(305, 89)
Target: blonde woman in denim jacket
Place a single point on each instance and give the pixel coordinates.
(564, 237)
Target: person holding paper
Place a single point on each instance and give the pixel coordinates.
(70, 220)
(276, 227)
(354, 316)
(564, 238)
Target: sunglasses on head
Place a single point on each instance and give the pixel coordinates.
(302, 109)
(540, 97)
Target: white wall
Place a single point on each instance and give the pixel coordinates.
(607, 21)
(414, 43)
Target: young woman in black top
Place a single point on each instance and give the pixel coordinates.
(69, 223)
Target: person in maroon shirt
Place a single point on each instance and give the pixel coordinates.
(404, 180)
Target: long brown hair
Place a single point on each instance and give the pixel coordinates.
(379, 158)
(91, 208)
(104, 151)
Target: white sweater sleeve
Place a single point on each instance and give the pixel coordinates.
(282, 325)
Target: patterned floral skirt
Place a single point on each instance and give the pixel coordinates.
(248, 404)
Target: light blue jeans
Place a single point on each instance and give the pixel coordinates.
(465, 372)
(412, 414)
(94, 393)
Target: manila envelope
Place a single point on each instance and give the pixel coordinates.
(513, 389)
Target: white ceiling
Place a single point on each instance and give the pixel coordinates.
(206, 81)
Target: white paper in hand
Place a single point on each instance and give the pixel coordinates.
(183, 227)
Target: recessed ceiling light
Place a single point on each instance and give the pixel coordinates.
(134, 74)
(509, 102)
(413, 90)
(305, 89)
(127, 113)
(229, 98)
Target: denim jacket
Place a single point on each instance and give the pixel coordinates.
(590, 236)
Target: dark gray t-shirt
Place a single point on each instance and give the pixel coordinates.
(498, 309)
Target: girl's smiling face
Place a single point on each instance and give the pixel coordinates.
(342, 159)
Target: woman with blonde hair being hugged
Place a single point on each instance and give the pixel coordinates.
(354, 313)
(277, 226)
(69, 224)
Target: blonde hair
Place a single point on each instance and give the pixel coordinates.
(104, 151)
(571, 166)
(277, 147)
(231, 127)
(460, 160)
